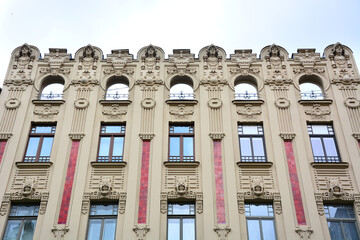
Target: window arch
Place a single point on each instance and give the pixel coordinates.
(246, 88)
(52, 88)
(117, 88)
(311, 88)
(181, 87)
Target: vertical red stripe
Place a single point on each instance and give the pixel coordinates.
(359, 143)
(219, 185)
(299, 208)
(2, 149)
(144, 182)
(68, 183)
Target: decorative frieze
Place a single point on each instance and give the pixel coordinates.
(46, 111)
(56, 59)
(244, 58)
(181, 58)
(309, 60)
(119, 59)
(115, 111)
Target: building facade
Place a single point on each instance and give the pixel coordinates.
(177, 148)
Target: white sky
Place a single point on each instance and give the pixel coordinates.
(193, 24)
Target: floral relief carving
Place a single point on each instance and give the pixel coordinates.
(318, 112)
(182, 112)
(119, 59)
(249, 111)
(114, 111)
(150, 68)
(213, 69)
(181, 59)
(86, 74)
(308, 60)
(56, 59)
(244, 59)
(46, 111)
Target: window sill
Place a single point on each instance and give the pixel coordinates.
(111, 102)
(95, 164)
(34, 164)
(254, 164)
(41, 102)
(314, 101)
(336, 165)
(181, 101)
(243, 102)
(193, 164)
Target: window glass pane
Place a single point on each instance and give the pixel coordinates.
(112, 129)
(103, 210)
(12, 229)
(43, 129)
(250, 129)
(109, 229)
(174, 146)
(52, 92)
(21, 210)
(310, 91)
(28, 230)
(330, 147)
(188, 146)
(317, 146)
(117, 91)
(181, 209)
(268, 229)
(181, 129)
(320, 129)
(118, 146)
(260, 210)
(350, 231)
(46, 146)
(245, 147)
(173, 229)
(94, 229)
(104, 146)
(188, 229)
(253, 228)
(32, 146)
(258, 147)
(338, 211)
(335, 231)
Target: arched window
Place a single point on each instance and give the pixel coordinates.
(118, 89)
(245, 88)
(52, 88)
(310, 88)
(181, 88)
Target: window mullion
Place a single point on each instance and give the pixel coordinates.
(20, 229)
(252, 148)
(324, 149)
(111, 148)
(261, 231)
(102, 228)
(37, 158)
(181, 148)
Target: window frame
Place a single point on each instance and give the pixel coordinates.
(341, 220)
(111, 144)
(103, 217)
(331, 134)
(181, 147)
(33, 134)
(251, 136)
(22, 218)
(260, 219)
(180, 217)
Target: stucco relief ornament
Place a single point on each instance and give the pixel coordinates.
(119, 59)
(141, 231)
(317, 112)
(249, 111)
(244, 59)
(304, 232)
(56, 59)
(276, 67)
(181, 60)
(86, 74)
(308, 60)
(342, 67)
(222, 232)
(46, 111)
(213, 73)
(114, 111)
(22, 67)
(181, 112)
(150, 68)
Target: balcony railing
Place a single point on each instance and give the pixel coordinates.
(312, 95)
(181, 96)
(253, 159)
(51, 96)
(117, 96)
(246, 96)
(113, 159)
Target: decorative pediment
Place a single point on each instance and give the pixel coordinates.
(105, 193)
(56, 59)
(150, 68)
(308, 59)
(88, 61)
(119, 59)
(181, 59)
(275, 64)
(244, 59)
(256, 194)
(213, 69)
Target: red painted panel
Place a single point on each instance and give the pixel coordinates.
(144, 182)
(2, 149)
(295, 186)
(219, 185)
(68, 183)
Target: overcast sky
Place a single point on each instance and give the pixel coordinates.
(192, 24)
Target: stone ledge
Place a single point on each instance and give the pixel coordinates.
(111, 102)
(244, 102)
(95, 164)
(310, 102)
(193, 164)
(254, 164)
(34, 164)
(54, 102)
(181, 101)
(327, 165)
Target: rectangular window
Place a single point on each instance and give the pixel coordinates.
(21, 222)
(40, 143)
(252, 147)
(102, 222)
(181, 143)
(342, 222)
(322, 139)
(260, 221)
(181, 222)
(111, 144)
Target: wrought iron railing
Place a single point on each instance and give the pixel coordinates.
(246, 96)
(182, 95)
(312, 95)
(51, 96)
(113, 159)
(179, 159)
(117, 96)
(253, 159)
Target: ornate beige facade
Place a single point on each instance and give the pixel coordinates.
(291, 168)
